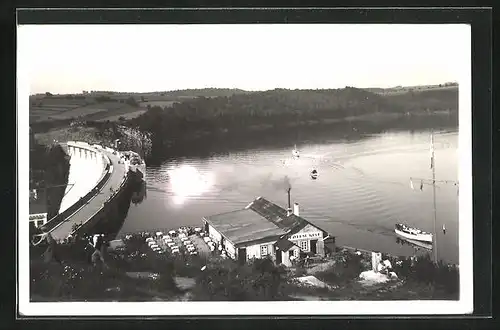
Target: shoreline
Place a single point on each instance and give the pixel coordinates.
(206, 143)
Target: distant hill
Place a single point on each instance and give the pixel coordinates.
(326, 103)
(406, 89)
(103, 105)
(284, 109)
(220, 102)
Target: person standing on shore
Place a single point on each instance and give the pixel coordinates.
(99, 246)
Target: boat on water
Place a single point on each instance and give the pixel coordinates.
(314, 174)
(412, 233)
(136, 163)
(295, 152)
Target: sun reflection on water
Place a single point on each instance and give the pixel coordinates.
(186, 181)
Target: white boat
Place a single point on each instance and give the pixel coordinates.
(295, 152)
(412, 233)
(314, 174)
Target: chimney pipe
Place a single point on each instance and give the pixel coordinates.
(289, 209)
(289, 200)
(296, 209)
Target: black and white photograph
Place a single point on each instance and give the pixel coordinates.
(285, 168)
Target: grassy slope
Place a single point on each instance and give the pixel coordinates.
(43, 108)
(86, 106)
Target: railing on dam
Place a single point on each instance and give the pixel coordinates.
(55, 221)
(110, 200)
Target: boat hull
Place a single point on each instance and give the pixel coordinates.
(419, 237)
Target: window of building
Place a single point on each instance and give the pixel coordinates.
(263, 250)
(303, 245)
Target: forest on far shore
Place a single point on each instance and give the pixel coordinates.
(286, 109)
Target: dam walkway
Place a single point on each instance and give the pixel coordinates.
(113, 177)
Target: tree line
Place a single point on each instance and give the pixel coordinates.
(282, 108)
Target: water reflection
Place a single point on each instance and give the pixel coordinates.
(140, 193)
(415, 244)
(186, 181)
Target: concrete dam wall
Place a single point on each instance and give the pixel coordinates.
(87, 166)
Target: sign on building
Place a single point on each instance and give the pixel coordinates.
(306, 235)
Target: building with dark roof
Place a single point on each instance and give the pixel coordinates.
(38, 207)
(264, 229)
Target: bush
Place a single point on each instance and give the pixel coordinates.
(225, 280)
(424, 270)
(131, 101)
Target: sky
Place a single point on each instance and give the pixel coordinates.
(145, 58)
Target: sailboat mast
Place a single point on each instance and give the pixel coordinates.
(433, 167)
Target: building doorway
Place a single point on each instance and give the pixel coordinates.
(242, 255)
(278, 257)
(313, 245)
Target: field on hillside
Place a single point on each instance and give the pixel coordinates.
(59, 108)
(87, 134)
(403, 90)
(126, 116)
(102, 106)
(162, 104)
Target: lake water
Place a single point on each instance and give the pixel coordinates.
(363, 188)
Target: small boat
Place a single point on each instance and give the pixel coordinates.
(314, 174)
(295, 152)
(412, 233)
